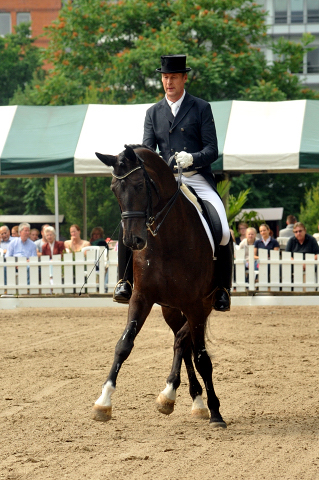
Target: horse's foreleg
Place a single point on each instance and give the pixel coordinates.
(137, 314)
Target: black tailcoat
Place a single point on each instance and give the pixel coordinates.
(192, 130)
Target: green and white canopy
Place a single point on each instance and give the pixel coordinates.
(252, 137)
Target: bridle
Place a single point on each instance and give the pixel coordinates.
(148, 214)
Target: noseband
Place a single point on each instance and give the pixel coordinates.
(149, 212)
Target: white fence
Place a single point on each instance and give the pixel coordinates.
(71, 273)
(278, 273)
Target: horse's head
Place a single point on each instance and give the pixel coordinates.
(131, 188)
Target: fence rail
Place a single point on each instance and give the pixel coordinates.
(69, 273)
(278, 273)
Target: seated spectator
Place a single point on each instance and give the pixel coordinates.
(301, 242)
(22, 246)
(288, 232)
(52, 247)
(250, 239)
(266, 241)
(41, 241)
(15, 231)
(5, 238)
(76, 243)
(242, 227)
(97, 237)
(316, 235)
(34, 234)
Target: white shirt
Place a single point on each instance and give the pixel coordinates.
(175, 105)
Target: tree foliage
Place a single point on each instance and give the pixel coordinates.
(20, 59)
(309, 214)
(113, 48)
(275, 190)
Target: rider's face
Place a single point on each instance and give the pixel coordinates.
(173, 84)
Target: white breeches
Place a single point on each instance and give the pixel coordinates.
(206, 192)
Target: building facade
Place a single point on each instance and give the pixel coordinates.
(39, 12)
(290, 19)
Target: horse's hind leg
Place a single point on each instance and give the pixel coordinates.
(205, 369)
(182, 350)
(138, 311)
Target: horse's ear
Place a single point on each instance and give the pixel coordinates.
(108, 160)
(129, 153)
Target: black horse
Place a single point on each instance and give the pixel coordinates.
(173, 267)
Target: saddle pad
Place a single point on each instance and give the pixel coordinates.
(192, 198)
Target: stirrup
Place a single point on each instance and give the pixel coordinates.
(122, 291)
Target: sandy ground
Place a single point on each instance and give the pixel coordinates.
(53, 364)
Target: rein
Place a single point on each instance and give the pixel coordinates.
(149, 213)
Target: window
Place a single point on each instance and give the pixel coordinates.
(280, 7)
(313, 11)
(23, 17)
(313, 61)
(5, 23)
(296, 11)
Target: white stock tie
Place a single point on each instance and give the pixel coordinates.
(174, 108)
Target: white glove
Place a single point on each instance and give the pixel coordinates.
(184, 159)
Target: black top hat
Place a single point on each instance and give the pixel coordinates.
(173, 64)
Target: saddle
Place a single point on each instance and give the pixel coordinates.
(210, 214)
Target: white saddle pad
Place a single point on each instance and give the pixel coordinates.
(191, 198)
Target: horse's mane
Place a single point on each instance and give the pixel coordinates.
(137, 145)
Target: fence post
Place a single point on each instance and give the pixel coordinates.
(251, 268)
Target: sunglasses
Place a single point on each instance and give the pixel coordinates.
(298, 231)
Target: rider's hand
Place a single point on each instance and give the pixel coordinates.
(184, 159)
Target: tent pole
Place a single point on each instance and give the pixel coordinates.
(56, 207)
(85, 228)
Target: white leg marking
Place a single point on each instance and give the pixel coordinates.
(198, 403)
(169, 392)
(198, 409)
(105, 399)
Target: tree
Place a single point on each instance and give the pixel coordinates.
(309, 209)
(20, 60)
(275, 190)
(114, 47)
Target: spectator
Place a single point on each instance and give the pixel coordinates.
(34, 234)
(242, 227)
(288, 231)
(250, 239)
(98, 237)
(76, 243)
(15, 231)
(5, 238)
(41, 241)
(52, 247)
(22, 246)
(301, 242)
(316, 235)
(266, 241)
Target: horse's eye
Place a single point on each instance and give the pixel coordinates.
(139, 187)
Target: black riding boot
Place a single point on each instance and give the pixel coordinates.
(123, 290)
(224, 274)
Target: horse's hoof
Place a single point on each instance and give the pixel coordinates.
(200, 413)
(217, 422)
(164, 404)
(101, 414)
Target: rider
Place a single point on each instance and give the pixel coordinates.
(183, 129)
